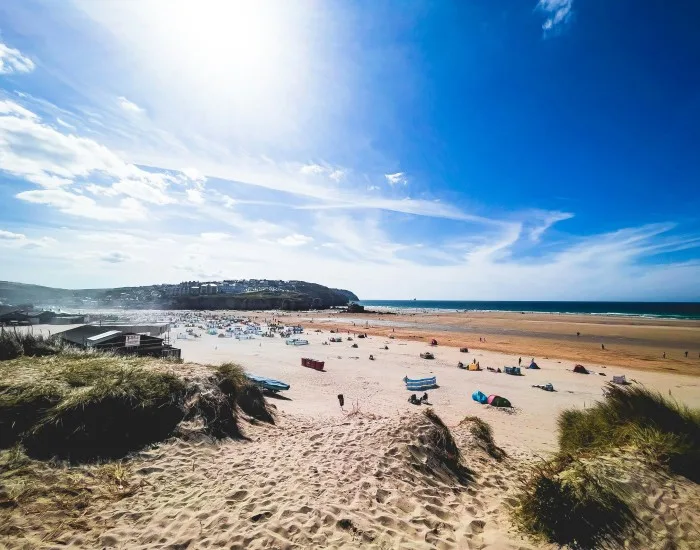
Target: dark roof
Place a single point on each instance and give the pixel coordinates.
(79, 335)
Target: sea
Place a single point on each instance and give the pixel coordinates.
(669, 310)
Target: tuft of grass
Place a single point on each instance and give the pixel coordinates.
(571, 503)
(633, 416)
(14, 344)
(572, 499)
(481, 430)
(443, 451)
(55, 495)
(233, 383)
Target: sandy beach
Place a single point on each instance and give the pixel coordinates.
(360, 476)
(634, 342)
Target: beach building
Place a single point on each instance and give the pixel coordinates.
(118, 341)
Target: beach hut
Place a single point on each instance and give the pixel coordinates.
(581, 369)
(498, 401)
(480, 397)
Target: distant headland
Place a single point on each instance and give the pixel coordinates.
(243, 294)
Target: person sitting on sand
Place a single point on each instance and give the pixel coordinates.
(460, 365)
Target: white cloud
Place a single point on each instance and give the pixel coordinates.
(548, 220)
(9, 236)
(115, 257)
(78, 205)
(129, 106)
(295, 240)
(43, 155)
(372, 188)
(63, 123)
(396, 179)
(12, 61)
(337, 175)
(194, 196)
(558, 12)
(312, 169)
(194, 175)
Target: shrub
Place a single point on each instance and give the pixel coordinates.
(661, 428)
(15, 344)
(568, 503)
(10, 346)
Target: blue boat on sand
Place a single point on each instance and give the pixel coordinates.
(268, 383)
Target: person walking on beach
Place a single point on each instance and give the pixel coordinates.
(686, 354)
(520, 360)
(664, 355)
(602, 346)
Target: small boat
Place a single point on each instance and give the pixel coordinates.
(268, 383)
(296, 342)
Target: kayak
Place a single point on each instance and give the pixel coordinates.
(268, 383)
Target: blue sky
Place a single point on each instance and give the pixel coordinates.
(466, 150)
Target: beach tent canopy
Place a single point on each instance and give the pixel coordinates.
(479, 397)
(619, 379)
(580, 369)
(473, 366)
(533, 365)
(498, 401)
(515, 371)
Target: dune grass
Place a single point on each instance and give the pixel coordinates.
(442, 450)
(573, 502)
(482, 432)
(56, 494)
(84, 405)
(233, 382)
(14, 344)
(633, 416)
(573, 499)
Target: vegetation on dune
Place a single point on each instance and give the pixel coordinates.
(664, 430)
(81, 406)
(233, 382)
(442, 450)
(15, 344)
(573, 502)
(56, 494)
(484, 436)
(573, 499)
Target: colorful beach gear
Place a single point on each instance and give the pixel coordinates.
(420, 384)
(480, 397)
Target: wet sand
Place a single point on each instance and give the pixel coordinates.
(632, 342)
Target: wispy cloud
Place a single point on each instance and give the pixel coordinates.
(129, 106)
(12, 61)
(85, 207)
(115, 257)
(399, 178)
(558, 13)
(295, 240)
